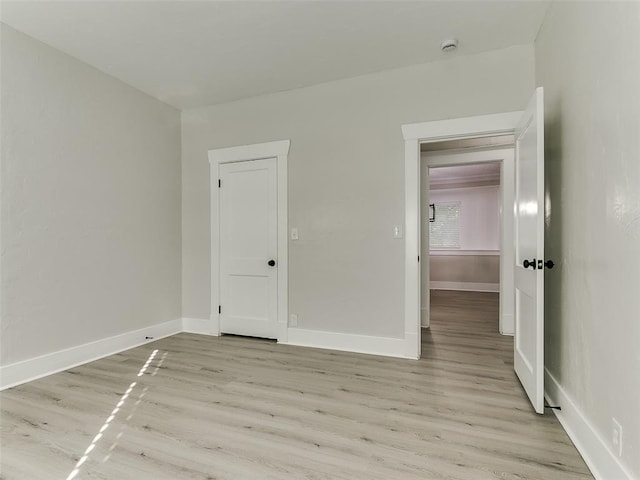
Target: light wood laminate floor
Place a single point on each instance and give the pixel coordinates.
(237, 408)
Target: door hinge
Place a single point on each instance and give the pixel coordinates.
(219, 183)
(219, 309)
(418, 258)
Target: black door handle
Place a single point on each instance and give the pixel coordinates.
(271, 263)
(527, 264)
(549, 264)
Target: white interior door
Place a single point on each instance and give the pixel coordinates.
(248, 248)
(529, 246)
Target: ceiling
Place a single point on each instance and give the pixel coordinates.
(191, 54)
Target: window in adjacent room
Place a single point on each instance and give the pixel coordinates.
(444, 226)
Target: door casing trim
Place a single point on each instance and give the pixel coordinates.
(427, 132)
(242, 153)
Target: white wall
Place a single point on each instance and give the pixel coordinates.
(476, 265)
(346, 179)
(479, 214)
(588, 60)
(463, 272)
(90, 203)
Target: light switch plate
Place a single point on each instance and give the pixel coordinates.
(294, 233)
(397, 231)
(293, 320)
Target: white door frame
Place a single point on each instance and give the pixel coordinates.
(427, 132)
(504, 155)
(279, 150)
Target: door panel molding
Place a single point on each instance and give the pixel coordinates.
(279, 150)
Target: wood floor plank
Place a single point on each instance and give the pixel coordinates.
(237, 408)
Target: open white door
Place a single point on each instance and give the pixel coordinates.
(248, 248)
(529, 252)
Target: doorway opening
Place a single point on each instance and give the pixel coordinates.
(466, 229)
(527, 171)
(249, 248)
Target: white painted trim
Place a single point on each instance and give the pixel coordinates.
(597, 454)
(414, 134)
(450, 158)
(507, 319)
(465, 286)
(412, 272)
(283, 247)
(441, 186)
(242, 153)
(38, 367)
(470, 253)
(384, 346)
(279, 150)
(214, 194)
(459, 128)
(42, 366)
(201, 326)
(507, 246)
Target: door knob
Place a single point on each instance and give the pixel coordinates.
(549, 264)
(527, 264)
(271, 263)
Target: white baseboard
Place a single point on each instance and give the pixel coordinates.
(385, 346)
(465, 286)
(424, 318)
(38, 367)
(507, 324)
(602, 462)
(202, 326)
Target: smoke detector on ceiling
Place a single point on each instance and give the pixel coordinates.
(449, 45)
